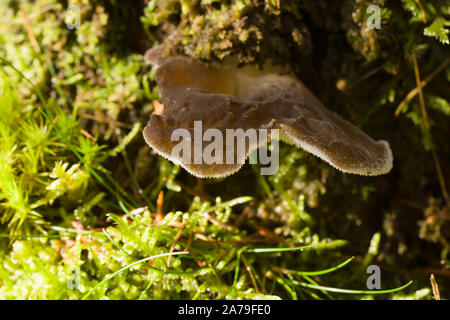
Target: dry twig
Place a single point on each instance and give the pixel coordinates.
(427, 127)
(435, 288)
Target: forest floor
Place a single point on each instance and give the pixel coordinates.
(89, 211)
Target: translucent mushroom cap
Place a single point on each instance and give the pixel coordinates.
(228, 97)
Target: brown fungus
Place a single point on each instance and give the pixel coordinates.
(228, 97)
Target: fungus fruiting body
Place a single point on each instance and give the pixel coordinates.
(229, 97)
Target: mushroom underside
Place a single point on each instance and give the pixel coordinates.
(230, 98)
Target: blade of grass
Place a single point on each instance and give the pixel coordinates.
(31, 236)
(311, 281)
(287, 287)
(236, 271)
(136, 182)
(350, 291)
(118, 246)
(149, 286)
(320, 272)
(262, 181)
(271, 250)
